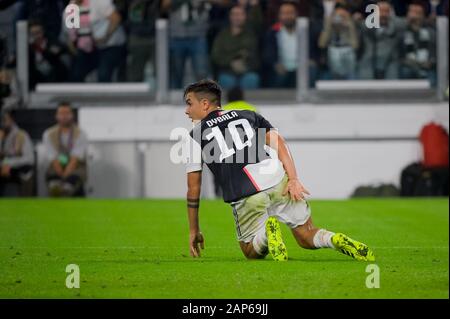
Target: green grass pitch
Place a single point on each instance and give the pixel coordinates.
(139, 249)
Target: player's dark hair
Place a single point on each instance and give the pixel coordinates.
(235, 94)
(207, 89)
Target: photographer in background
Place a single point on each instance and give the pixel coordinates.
(45, 56)
(340, 38)
(16, 156)
(380, 58)
(418, 46)
(65, 146)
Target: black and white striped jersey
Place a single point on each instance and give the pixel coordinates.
(233, 145)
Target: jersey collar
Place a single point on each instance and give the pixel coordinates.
(212, 114)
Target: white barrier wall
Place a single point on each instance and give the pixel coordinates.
(336, 147)
(335, 169)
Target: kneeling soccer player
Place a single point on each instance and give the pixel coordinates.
(259, 182)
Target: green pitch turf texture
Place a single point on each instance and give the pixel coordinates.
(139, 249)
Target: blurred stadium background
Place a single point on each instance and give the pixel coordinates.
(365, 112)
(351, 101)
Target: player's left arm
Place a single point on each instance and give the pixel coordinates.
(294, 187)
(196, 240)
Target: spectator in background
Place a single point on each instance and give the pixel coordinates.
(357, 8)
(303, 8)
(319, 10)
(316, 10)
(5, 89)
(236, 101)
(100, 42)
(418, 47)
(9, 89)
(280, 49)
(437, 8)
(254, 12)
(380, 58)
(340, 38)
(218, 18)
(326, 8)
(44, 56)
(49, 12)
(8, 13)
(442, 8)
(235, 52)
(16, 156)
(401, 6)
(65, 145)
(188, 24)
(141, 21)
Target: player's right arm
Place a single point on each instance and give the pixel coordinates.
(294, 187)
(196, 240)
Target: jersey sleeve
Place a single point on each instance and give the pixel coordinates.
(261, 122)
(194, 160)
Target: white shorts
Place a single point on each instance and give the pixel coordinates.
(251, 213)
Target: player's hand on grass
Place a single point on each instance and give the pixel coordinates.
(196, 241)
(296, 190)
